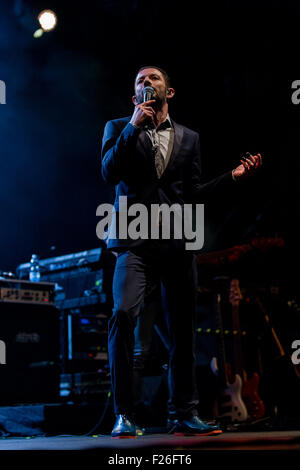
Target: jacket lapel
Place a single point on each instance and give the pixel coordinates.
(145, 141)
(178, 135)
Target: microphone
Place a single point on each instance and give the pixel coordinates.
(148, 93)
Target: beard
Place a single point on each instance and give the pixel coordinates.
(160, 98)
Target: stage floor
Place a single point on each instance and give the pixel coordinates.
(228, 441)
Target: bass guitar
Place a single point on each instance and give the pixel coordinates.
(254, 404)
(229, 405)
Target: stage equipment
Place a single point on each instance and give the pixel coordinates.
(29, 331)
(83, 283)
(12, 290)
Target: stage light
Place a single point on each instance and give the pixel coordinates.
(47, 20)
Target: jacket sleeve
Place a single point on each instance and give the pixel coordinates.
(201, 192)
(117, 150)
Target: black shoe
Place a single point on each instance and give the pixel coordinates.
(124, 427)
(195, 427)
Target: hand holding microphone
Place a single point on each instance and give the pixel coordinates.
(144, 112)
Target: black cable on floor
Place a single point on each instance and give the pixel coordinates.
(92, 431)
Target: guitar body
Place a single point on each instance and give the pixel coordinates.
(229, 405)
(254, 404)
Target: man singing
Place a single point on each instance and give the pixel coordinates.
(152, 160)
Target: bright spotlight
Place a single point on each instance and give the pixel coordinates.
(47, 20)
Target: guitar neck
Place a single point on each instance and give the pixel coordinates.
(237, 341)
(222, 374)
(273, 332)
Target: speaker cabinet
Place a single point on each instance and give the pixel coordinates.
(30, 335)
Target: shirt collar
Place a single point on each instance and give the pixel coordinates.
(166, 124)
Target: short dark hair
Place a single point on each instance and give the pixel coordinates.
(162, 71)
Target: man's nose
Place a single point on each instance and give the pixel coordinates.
(147, 82)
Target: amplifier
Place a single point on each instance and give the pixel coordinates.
(31, 334)
(26, 292)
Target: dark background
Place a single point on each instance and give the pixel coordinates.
(232, 64)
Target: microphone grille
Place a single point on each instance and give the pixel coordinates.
(148, 92)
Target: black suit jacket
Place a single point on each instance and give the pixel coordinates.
(128, 163)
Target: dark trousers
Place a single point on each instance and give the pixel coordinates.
(134, 270)
(151, 321)
(151, 313)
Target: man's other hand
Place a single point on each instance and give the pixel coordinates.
(249, 166)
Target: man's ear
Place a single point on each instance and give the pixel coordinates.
(170, 92)
(134, 100)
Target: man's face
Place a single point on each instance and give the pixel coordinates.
(154, 78)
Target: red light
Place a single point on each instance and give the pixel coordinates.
(45, 300)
